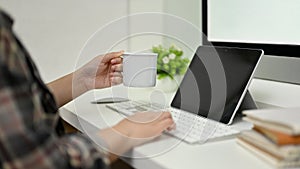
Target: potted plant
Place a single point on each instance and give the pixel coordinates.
(171, 66)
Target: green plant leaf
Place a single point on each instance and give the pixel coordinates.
(176, 66)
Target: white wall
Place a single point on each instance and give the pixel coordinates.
(191, 12)
(55, 31)
(144, 42)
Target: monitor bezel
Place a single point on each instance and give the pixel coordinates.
(269, 49)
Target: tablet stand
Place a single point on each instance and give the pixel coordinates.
(247, 103)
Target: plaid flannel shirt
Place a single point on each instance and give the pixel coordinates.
(28, 116)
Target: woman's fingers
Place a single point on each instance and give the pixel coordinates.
(165, 115)
(166, 121)
(172, 127)
(116, 60)
(109, 56)
(117, 68)
(156, 117)
(115, 74)
(116, 80)
(166, 124)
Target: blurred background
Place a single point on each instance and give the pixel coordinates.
(55, 31)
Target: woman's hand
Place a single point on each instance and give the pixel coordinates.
(135, 130)
(101, 72)
(146, 125)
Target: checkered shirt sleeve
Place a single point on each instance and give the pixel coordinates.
(28, 115)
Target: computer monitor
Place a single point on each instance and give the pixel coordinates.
(271, 25)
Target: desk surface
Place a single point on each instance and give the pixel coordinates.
(166, 151)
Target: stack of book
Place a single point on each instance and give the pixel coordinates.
(275, 137)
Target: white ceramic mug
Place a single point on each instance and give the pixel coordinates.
(139, 69)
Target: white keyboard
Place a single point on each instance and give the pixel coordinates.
(190, 128)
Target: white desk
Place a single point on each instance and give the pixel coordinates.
(166, 152)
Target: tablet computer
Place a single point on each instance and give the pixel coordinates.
(200, 88)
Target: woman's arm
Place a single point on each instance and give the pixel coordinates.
(101, 72)
(62, 89)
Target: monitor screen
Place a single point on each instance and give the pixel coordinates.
(271, 25)
(195, 92)
(255, 21)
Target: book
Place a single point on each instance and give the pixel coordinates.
(285, 120)
(271, 159)
(278, 137)
(288, 152)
